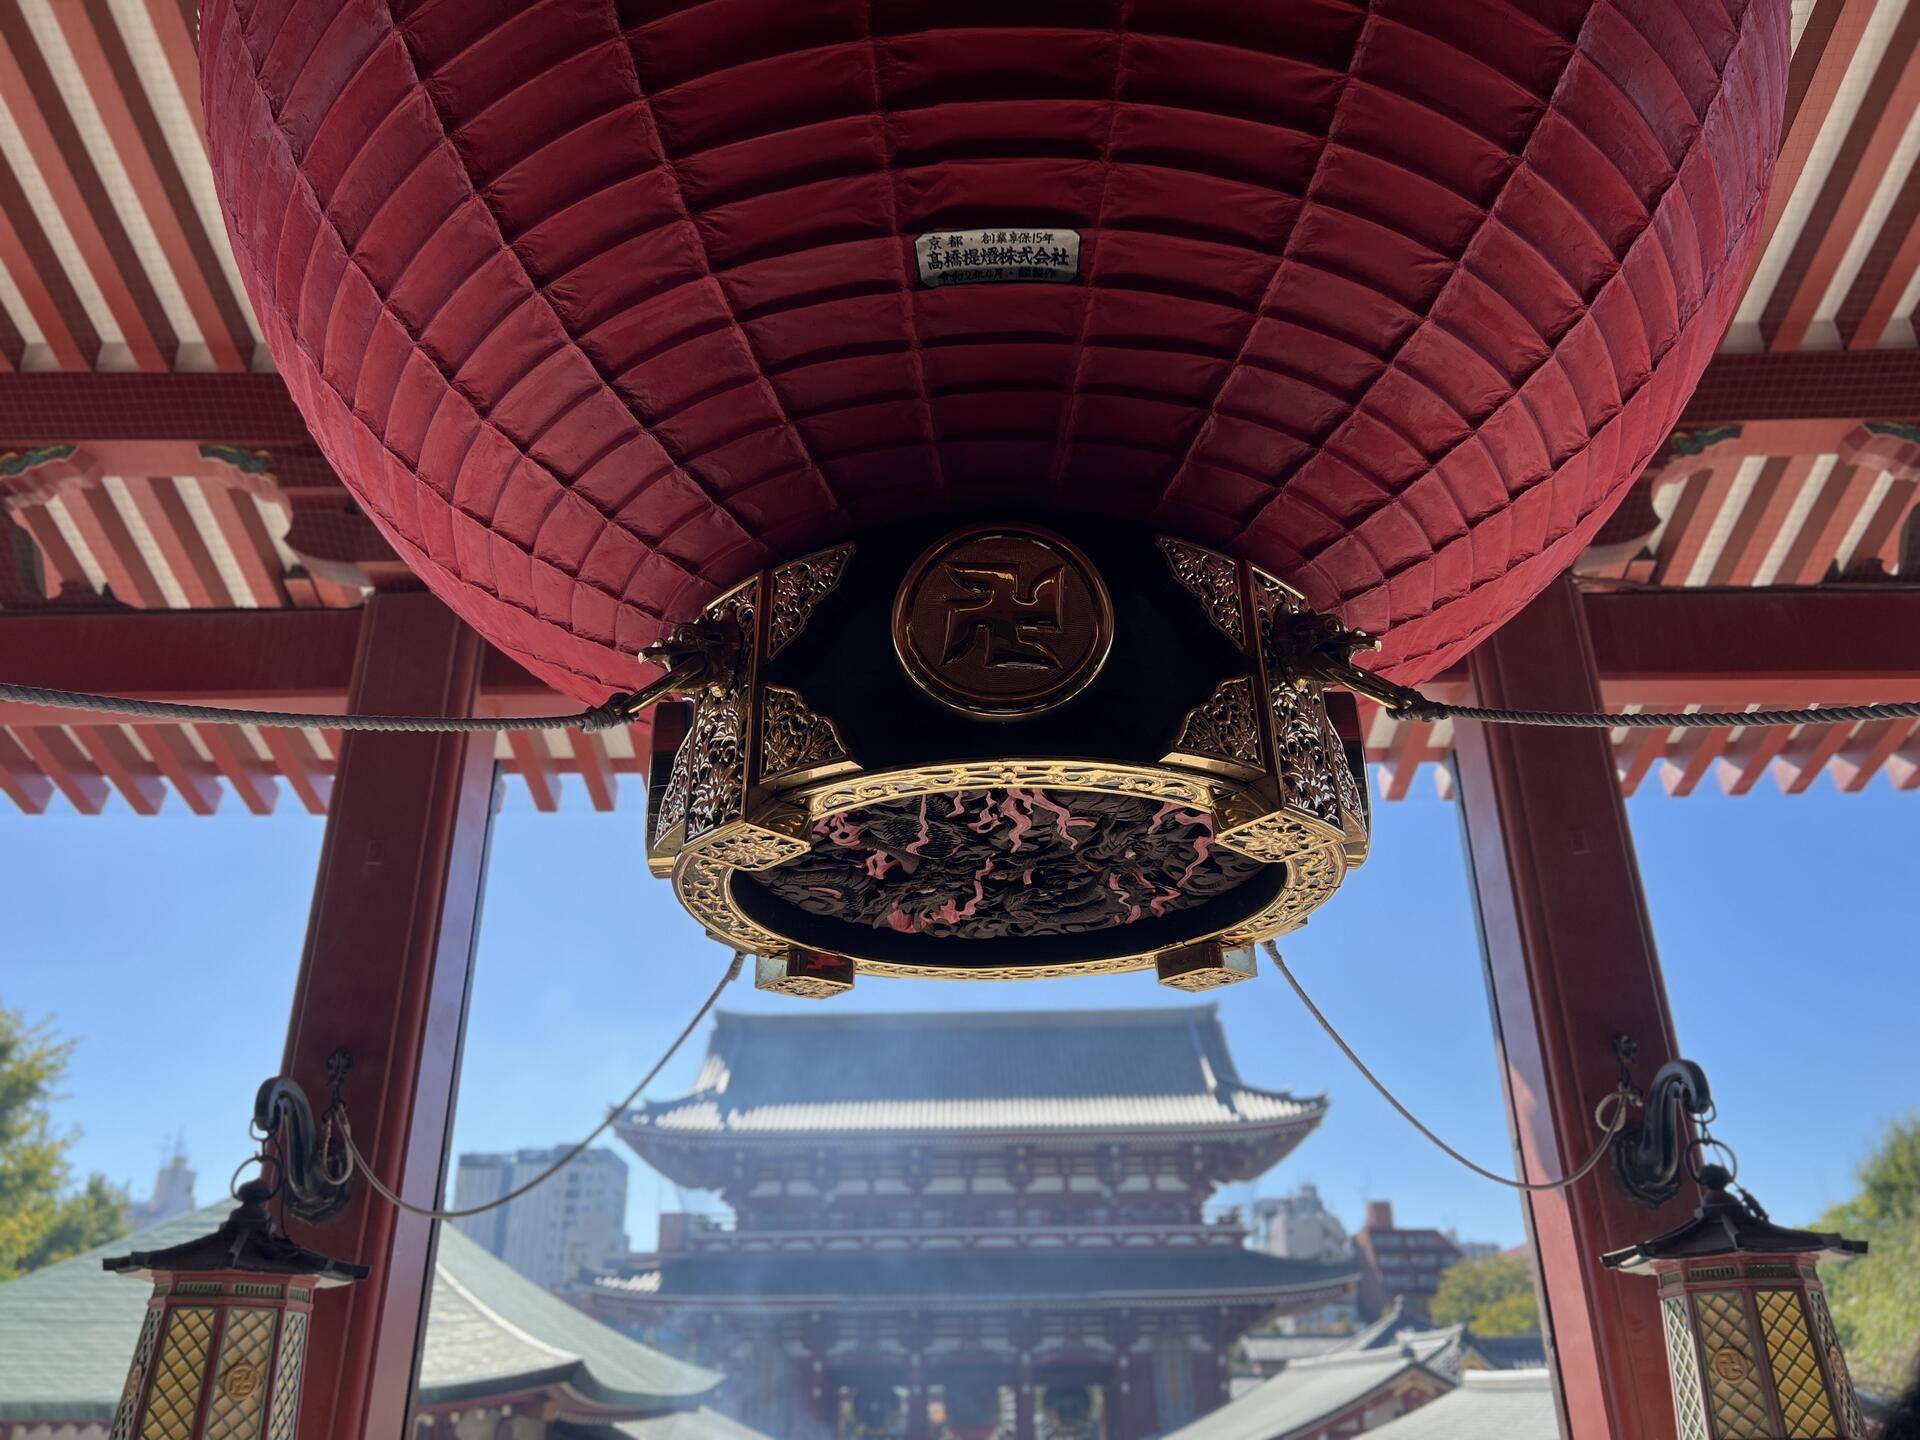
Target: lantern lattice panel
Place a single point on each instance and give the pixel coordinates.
(286, 1389)
(173, 1401)
(1739, 1404)
(1836, 1363)
(234, 1411)
(1681, 1365)
(130, 1397)
(1796, 1369)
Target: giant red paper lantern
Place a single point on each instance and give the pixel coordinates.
(602, 309)
(599, 307)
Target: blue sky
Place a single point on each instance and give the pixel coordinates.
(166, 948)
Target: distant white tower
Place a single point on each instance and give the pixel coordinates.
(172, 1191)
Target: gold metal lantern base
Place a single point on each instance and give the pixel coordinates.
(1098, 745)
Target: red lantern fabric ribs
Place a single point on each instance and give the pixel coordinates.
(599, 307)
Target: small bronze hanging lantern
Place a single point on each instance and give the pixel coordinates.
(1751, 1346)
(222, 1347)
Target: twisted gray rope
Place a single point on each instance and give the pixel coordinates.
(1425, 709)
(612, 714)
(620, 710)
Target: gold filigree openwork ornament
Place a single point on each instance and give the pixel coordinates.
(1006, 752)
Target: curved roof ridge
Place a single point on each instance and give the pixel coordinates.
(1117, 1014)
(494, 1317)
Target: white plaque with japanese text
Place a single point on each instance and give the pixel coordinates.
(974, 257)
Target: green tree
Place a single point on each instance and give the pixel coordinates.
(1494, 1296)
(1876, 1299)
(41, 1218)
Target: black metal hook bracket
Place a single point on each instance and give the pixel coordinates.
(283, 1114)
(1650, 1160)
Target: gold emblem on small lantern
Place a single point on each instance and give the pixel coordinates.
(240, 1381)
(1003, 620)
(1730, 1365)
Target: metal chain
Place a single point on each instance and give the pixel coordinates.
(1620, 1098)
(356, 1163)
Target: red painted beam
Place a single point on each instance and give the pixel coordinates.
(252, 411)
(301, 766)
(1904, 768)
(1412, 745)
(282, 660)
(1571, 963)
(51, 137)
(591, 760)
(1880, 540)
(1841, 208)
(173, 22)
(195, 780)
(1799, 385)
(133, 130)
(1875, 294)
(43, 284)
(114, 549)
(61, 564)
(1640, 752)
(1820, 61)
(74, 775)
(136, 777)
(1693, 516)
(1752, 757)
(1874, 744)
(1699, 754)
(1760, 520)
(238, 517)
(22, 781)
(1846, 489)
(1807, 754)
(241, 767)
(385, 975)
(170, 522)
(1721, 649)
(535, 764)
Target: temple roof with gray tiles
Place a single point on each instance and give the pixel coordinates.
(1160, 1070)
(67, 1334)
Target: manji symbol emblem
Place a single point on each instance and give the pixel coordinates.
(240, 1381)
(1003, 620)
(1730, 1365)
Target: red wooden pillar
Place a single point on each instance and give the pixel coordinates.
(1139, 1416)
(1210, 1379)
(1570, 962)
(917, 1426)
(385, 975)
(1024, 1400)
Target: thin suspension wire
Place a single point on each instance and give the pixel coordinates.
(357, 1163)
(1612, 1127)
